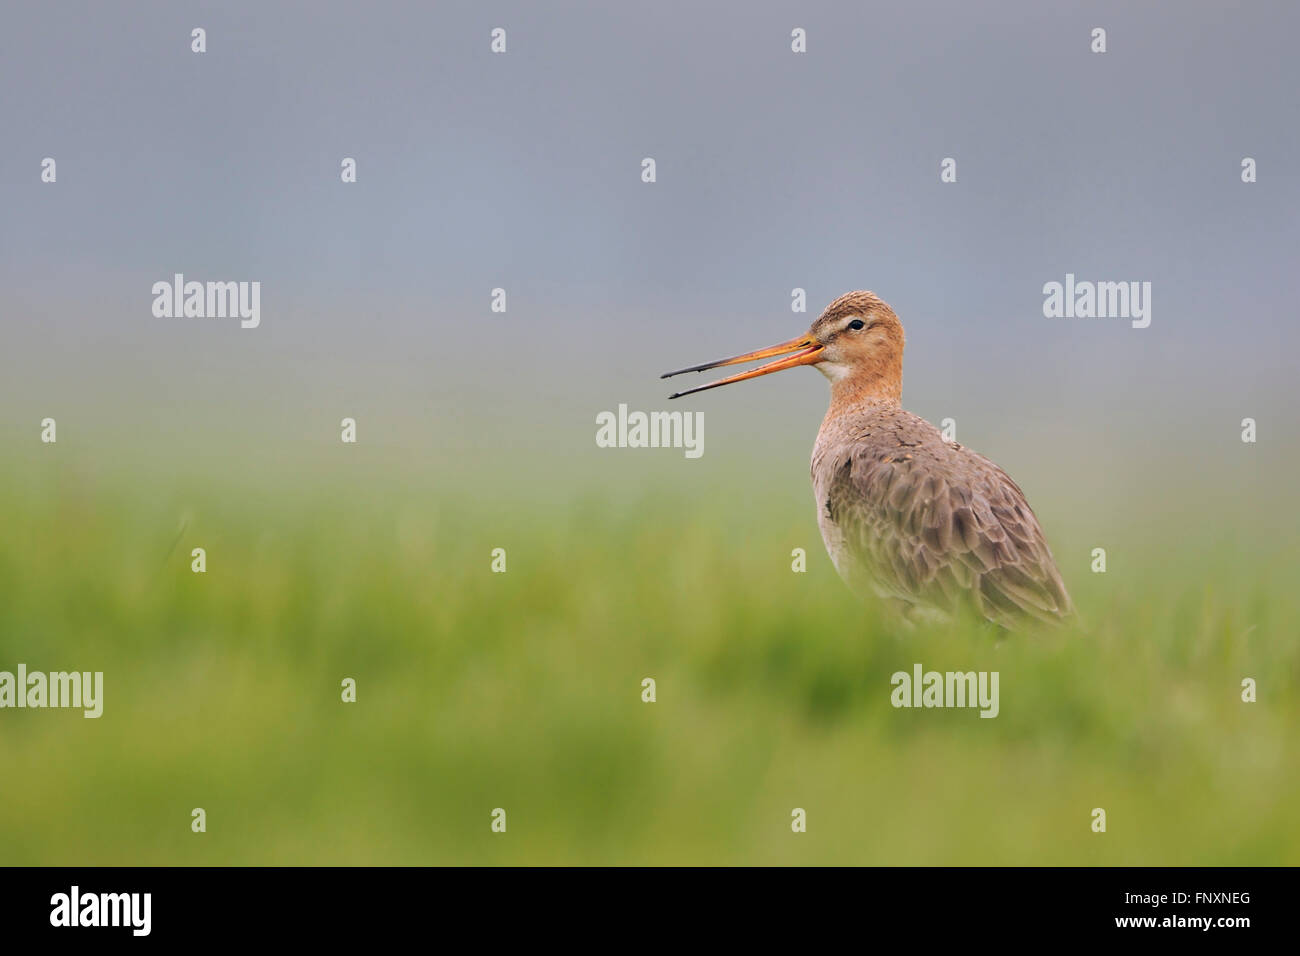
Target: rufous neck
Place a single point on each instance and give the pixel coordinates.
(858, 390)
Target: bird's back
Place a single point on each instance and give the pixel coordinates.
(912, 517)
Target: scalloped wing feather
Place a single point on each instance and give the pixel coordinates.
(932, 523)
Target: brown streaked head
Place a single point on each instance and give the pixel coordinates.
(857, 343)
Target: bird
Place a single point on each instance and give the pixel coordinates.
(925, 524)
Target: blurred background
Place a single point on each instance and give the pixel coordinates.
(476, 430)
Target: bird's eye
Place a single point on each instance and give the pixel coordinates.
(857, 325)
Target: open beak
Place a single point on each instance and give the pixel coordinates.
(801, 351)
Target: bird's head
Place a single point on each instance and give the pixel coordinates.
(857, 343)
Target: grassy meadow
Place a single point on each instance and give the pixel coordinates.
(522, 690)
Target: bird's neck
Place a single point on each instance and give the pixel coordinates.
(866, 388)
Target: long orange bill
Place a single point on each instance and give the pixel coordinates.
(800, 351)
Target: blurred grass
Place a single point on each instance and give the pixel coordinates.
(523, 690)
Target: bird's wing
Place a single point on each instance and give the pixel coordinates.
(939, 525)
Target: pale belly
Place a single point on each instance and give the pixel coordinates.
(841, 551)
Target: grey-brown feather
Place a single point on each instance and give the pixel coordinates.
(915, 518)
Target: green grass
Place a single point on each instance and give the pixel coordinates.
(523, 690)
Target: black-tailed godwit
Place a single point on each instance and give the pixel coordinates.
(920, 521)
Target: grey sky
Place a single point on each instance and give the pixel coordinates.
(775, 170)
